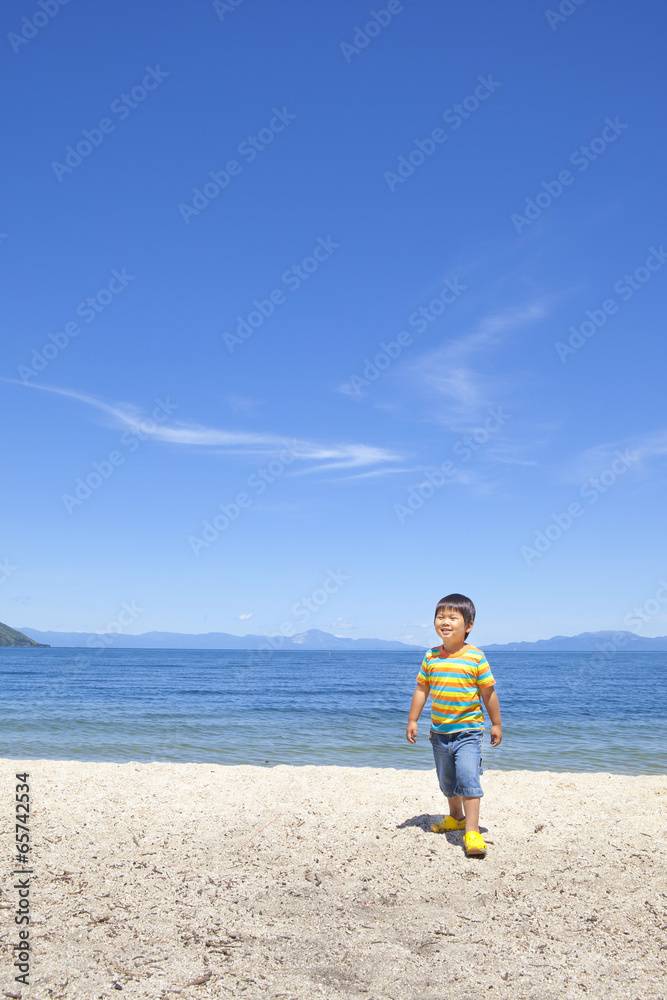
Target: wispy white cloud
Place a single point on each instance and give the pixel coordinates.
(244, 404)
(493, 330)
(637, 452)
(321, 456)
(376, 473)
(342, 456)
(243, 618)
(477, 480)
(465, 391)
(509, 451)
(461, 391)
(651, 446)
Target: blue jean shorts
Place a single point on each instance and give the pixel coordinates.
(458, 762)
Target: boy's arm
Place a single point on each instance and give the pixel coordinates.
(418, 702)
(493, 708)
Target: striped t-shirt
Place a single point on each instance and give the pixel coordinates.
(454, 683)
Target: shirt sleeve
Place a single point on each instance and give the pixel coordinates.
(423, 675)
(484, 676)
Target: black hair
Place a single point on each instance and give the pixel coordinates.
(458, 603)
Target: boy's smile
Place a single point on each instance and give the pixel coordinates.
(451, 627)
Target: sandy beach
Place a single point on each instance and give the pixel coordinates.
(196, 880)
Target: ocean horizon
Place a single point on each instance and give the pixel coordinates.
(561, 711)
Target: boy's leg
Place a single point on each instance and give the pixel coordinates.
(444, 765)
(456, 807)
(468, 757)
(471, 806)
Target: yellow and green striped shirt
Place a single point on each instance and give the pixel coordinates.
(454, 683)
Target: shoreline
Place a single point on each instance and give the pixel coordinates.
(427, 767)
(298, 881)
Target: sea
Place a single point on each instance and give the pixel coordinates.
(561, 711)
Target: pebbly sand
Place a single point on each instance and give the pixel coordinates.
(197, 881)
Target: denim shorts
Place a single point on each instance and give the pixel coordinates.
(458, 762)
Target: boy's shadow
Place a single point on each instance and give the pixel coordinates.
(424, 821)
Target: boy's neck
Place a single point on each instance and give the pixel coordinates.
(458, 649)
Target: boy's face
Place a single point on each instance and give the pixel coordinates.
(451, 627)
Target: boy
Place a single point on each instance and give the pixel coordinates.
(455, 674)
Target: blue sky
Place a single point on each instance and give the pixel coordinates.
(310, 304)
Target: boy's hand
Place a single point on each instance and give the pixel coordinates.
(493, 708)
(418, 702)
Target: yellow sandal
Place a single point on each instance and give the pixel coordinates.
(448, 825)
(474, 844)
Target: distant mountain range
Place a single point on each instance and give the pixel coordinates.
(594, 642)
(316, 639)
(312, 639)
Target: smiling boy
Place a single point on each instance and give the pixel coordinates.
(455, 674)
